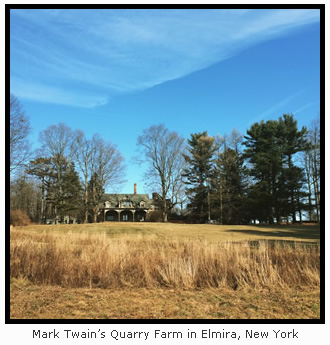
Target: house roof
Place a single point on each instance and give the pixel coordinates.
(134, 198)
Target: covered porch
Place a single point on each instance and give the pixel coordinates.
(124, 215)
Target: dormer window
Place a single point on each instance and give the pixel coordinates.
(126, 203)
(107, 204)
(142, 204)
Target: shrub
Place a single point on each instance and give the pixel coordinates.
(19, 218)
(154, 216)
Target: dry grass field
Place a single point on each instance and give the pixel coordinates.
(155, 270)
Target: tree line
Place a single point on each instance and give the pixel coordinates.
(270, 174)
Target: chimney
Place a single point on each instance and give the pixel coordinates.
(134, 188)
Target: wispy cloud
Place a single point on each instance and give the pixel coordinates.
(304, 107)
(275, 109)
(85, 53)
(57, 95)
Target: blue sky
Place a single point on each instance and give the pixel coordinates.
(117, 72)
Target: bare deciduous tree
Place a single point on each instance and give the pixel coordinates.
(312, 169)
(163, 150)
(83, 158)
(25, 196)
(105, 168)
(58, 141)
(20, 149)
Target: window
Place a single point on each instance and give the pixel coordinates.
(125, 204)
(125, 217)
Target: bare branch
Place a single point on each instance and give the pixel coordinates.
(162, 150)
(20, 148)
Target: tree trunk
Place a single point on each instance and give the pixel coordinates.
(299, 207)
(86, 199)
(42, 211)
(208, 206)
(316, 194)
(308, 173)
(95, 211)
(164, 211)
(221, 206)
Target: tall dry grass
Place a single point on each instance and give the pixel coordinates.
(97, 260)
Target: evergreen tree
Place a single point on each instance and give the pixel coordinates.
(199, 174)
(95, 193)
(292, 141)
(71, 201)
(60, 192)
(55, 186)
(278, 181)
(228, 187)
(264, 154)
(41, 168)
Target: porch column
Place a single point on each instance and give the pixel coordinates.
(119, 212)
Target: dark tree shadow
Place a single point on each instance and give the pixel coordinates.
(307, 232)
